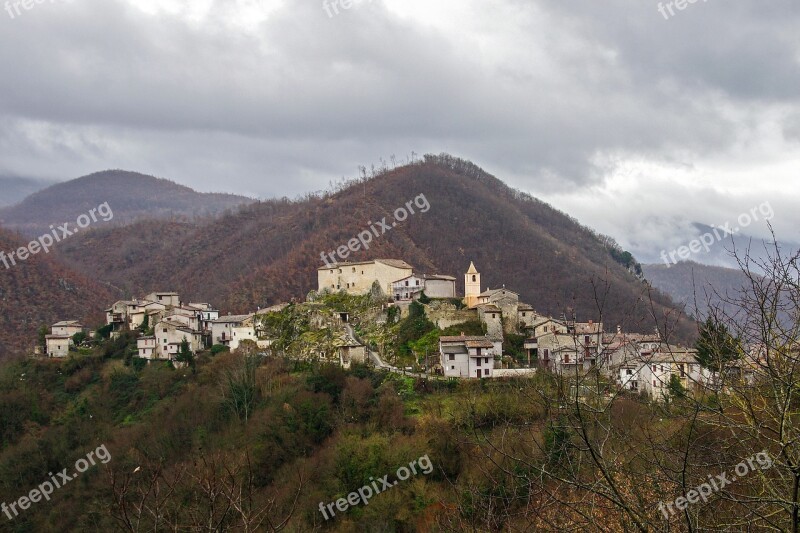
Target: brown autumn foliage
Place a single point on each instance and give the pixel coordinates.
(39, 291)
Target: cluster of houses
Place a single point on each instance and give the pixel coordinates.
(637, 362)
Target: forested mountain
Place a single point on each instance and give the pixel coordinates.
(130, 196)
(39, 291)
(698, 287)
(269, 252)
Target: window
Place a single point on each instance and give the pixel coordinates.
(546, 354)
(566, 358)
(452, 357)
(683, 374)
(478, 372)
(493, 315)
(486, 372)
(473, 279)
(629, 372)
(479, 361)
(417, 283)
(354, 270)
(654, 383)
(586, 339)
(165, 330)
(486, 360)
(452, 367)
(406, 283)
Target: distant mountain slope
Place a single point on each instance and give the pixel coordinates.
(269, 252)
(131, 197)
(13, 189)
(39, 291)
(693, 284)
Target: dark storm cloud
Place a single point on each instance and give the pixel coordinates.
(548, 95)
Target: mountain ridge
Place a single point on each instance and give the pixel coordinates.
(132, 196)
(269, 251)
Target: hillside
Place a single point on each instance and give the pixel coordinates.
(269, 252)
(39, 291)
(131, 196)
(697, 286)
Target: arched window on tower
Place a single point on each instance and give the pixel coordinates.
(473, 278)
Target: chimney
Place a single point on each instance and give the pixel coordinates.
(591, 322)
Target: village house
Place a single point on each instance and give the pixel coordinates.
(170, 334)
(358, 278)
(408, 288)
(233, 329)
(59, 341)
(569, 348)
(468, 357)
(350, 351)
(167, 299)
(136, 310)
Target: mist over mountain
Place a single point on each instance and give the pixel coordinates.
(15, 189)
(130, 195)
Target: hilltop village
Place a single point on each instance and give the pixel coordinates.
(361, 313)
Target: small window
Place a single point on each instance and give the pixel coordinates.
(354, 270)
(493, 316)
(566, 358)
(417, 283)
(486, 372)
(406, 283)
(486, 360)
(452, 357)
(630, 372)
(452, 367)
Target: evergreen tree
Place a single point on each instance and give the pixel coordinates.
(716, 347)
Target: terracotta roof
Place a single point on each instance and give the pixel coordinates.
(461, 338)
(231, 319)
(479, 344)
(397, 263)
(68, 323)
(440, 277)
(492, 292)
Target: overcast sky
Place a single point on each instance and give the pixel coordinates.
(634, 122)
